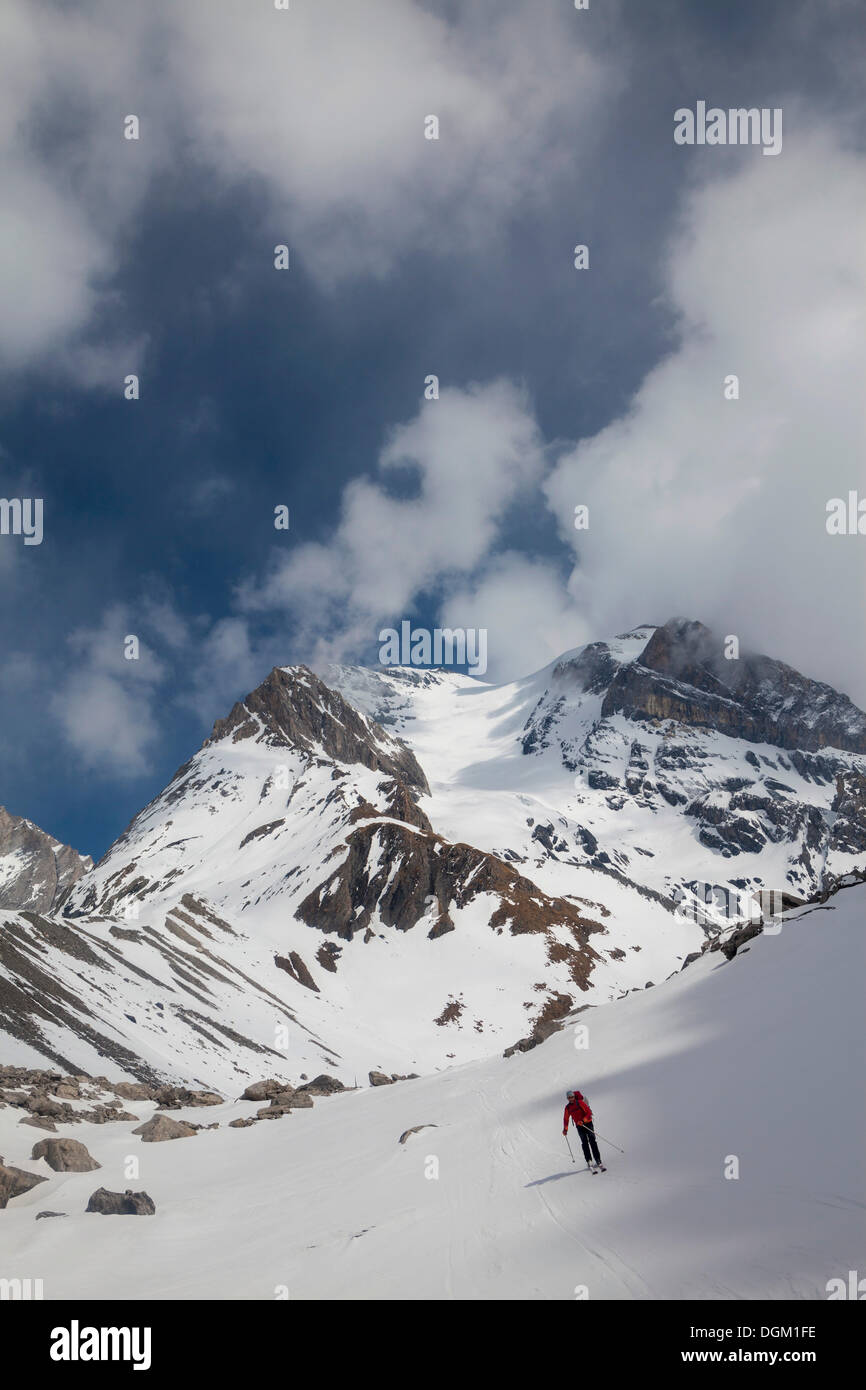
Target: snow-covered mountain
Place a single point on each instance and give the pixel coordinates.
(36, 870)
(650, 757)
(402, 869)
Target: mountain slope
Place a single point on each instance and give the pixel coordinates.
(752, 1059)
(299, 822)
(397, 870)
(193, 1001)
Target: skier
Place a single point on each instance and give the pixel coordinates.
(577, 1109)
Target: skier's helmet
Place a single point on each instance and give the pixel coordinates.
(569, 1095)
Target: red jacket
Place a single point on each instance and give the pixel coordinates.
(577, 1110)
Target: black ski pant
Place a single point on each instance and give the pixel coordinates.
(589, 1142)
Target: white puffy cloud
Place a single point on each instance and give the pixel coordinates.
(110, 726)
(106, 705)
(716, 507)
(70, 180)
(327, 103)
(528, 615)
(465, 458)
(698, 504)
(321, 107)
(226, 664)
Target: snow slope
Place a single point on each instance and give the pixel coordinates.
(760, 1058)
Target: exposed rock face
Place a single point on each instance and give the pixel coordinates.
(126, 1203)
(328, 955)
(161, 1128)
(681, 694)
(293, 707)
(65, 1156)
(739, 938)
(295, 967)
(589, 672)
(14, 1181)
(418, 876)
(36, 871)
(848, 831)
(549, 1022)
(683, 674)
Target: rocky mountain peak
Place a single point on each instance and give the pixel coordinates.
(36, 871)
(684, 674)
(681, 647)
(294, 708)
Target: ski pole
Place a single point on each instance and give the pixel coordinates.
(608, 1141)
(565, 1137)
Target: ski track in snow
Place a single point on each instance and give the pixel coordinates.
(330, 1204)
(740, 1057)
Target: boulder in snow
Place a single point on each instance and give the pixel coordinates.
(162, 1127)
(134, 1090)
(14, 1181)
(323, 1085)
(264, 1090)
(65, 1156)
(126, 1203)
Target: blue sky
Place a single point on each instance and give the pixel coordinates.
(409, 257)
